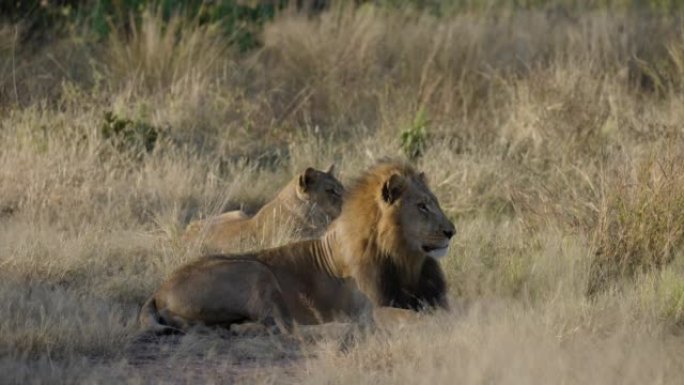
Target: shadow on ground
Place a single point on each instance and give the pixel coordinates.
(217, 356)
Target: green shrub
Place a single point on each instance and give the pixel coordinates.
(241, 23)
(414, 139)
(128, 136)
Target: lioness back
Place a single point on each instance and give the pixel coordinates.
(301, 210)
(195, 227)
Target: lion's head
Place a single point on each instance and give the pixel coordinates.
(390, 212)
(411, 217)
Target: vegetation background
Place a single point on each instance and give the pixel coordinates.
(552, 133)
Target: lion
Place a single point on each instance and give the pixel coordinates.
(301, 210)
(380, 254)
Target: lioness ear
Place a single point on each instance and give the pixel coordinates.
(392, 189)
(331, 169)
(306, 179)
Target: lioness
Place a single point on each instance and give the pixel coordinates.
(302, 209)
(382, 251)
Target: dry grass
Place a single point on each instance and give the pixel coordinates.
(555, 143)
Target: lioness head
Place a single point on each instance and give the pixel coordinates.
(410, 215)
(322, 192)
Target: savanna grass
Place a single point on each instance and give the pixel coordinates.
(552, 139)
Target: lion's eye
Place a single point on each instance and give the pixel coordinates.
(332, 192)
(422, 207)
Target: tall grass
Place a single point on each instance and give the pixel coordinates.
(552, 139)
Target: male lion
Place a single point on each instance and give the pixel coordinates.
(302, 209)
(380, 253)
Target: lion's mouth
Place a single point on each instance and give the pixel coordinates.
(436, 251)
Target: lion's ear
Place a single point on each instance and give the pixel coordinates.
(392, 188)
(331, 169)
(306, 179)
(423, 178)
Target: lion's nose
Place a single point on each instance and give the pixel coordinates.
(450, 232)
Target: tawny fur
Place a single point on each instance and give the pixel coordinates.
(301, 210)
